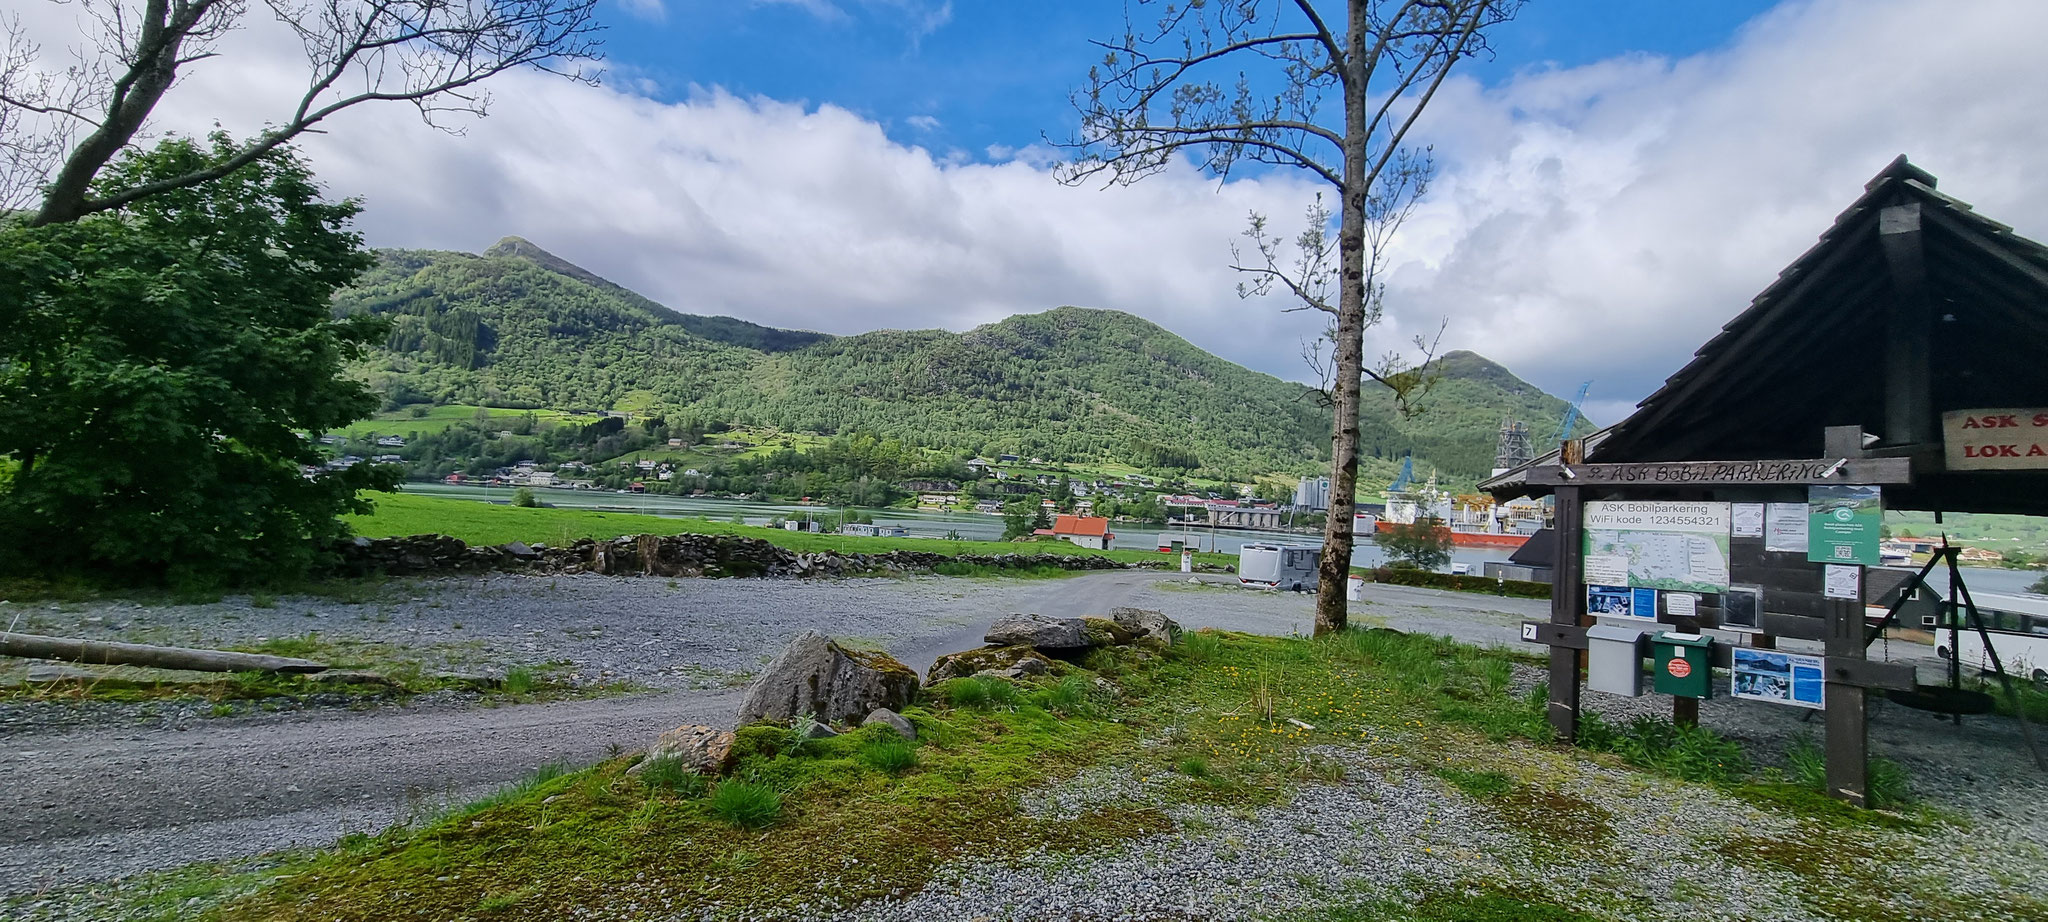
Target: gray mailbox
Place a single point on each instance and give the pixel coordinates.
(1614, 660)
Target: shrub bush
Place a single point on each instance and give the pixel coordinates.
(1199, 646)
(890, 756)
(1068, 695)
(670, 774)
(979, 692)
(1517, 588)
(746, 804)
(520, 680)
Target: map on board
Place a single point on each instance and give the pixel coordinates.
(1658, 545)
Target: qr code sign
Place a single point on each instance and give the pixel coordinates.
(1844, 551)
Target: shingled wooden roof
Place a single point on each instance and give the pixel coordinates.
(1811, 351)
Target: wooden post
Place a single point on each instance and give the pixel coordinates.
(1909, 417)
(1567, 600)
(1685, 712)
(1848, 742)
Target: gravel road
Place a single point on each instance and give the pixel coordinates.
(99, 791)
(96, 792)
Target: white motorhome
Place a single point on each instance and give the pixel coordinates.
(1278, 566)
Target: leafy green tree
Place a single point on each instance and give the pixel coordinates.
(1424, 544)
(159, 364)
(525, 499)
(1040, 521)
(1017, 519)
(2040, 586)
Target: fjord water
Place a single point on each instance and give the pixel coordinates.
(919, 523)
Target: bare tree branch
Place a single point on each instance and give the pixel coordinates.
(433, 54)
(1150, 103)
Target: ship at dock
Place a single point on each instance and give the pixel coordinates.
(1474, 521)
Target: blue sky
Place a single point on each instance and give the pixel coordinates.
(958, 77)
(1612, 187)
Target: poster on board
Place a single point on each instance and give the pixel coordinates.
(1777, 677)
(1747, 520)
(1658, 545)
(1785, 527)
(1621, 602)
(1843, 524)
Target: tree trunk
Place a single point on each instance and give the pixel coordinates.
(153, 70)
(1333, 610)
(109, 653)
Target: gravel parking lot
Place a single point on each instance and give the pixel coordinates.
(100, 791)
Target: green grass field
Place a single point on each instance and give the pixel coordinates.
(438, 419)
(483, 523)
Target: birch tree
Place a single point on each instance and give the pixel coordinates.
(1226, 83)
(60, 126)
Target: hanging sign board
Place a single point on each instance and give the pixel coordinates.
(1843, 524)
(1780, 678)
(1785, 528)
(1657, 545)
(1711, 473)
(1996, 440)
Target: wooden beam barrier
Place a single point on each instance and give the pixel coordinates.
(1808, 471)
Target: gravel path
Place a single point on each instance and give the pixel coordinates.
(94, 792)
(101, 790)
(1642, 848)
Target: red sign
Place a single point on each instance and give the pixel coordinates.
(1678, 668)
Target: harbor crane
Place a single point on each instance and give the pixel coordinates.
(1571, 413)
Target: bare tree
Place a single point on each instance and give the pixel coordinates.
(430, 53)
(1166, 90)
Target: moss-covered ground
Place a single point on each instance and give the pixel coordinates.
(1233, 722)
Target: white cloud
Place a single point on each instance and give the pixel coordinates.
(1602, 222)
(1598, 222)
(649, 10)
(923, 122)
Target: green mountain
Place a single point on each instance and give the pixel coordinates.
(519, 327)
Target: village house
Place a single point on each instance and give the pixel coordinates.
(1082, 531)
(937, 500)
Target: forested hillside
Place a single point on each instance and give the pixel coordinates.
(520, 327)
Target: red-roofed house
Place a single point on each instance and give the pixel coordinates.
(1087, 531)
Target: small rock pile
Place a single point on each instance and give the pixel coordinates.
(1025, 645)
(663, 555)
(819, 681)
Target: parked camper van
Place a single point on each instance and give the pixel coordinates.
(1278, 566)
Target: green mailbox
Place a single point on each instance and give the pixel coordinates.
(1685, 664)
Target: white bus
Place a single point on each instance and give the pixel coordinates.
(2017, 625)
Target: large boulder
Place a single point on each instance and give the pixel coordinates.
(704, 750)
(1151, 627)
(815, 675)
(1040, 632)
(1014, 661)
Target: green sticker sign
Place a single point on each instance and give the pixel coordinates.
(1842, 524)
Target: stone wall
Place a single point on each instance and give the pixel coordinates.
(662, 555)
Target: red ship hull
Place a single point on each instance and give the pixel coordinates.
(1476, 538)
